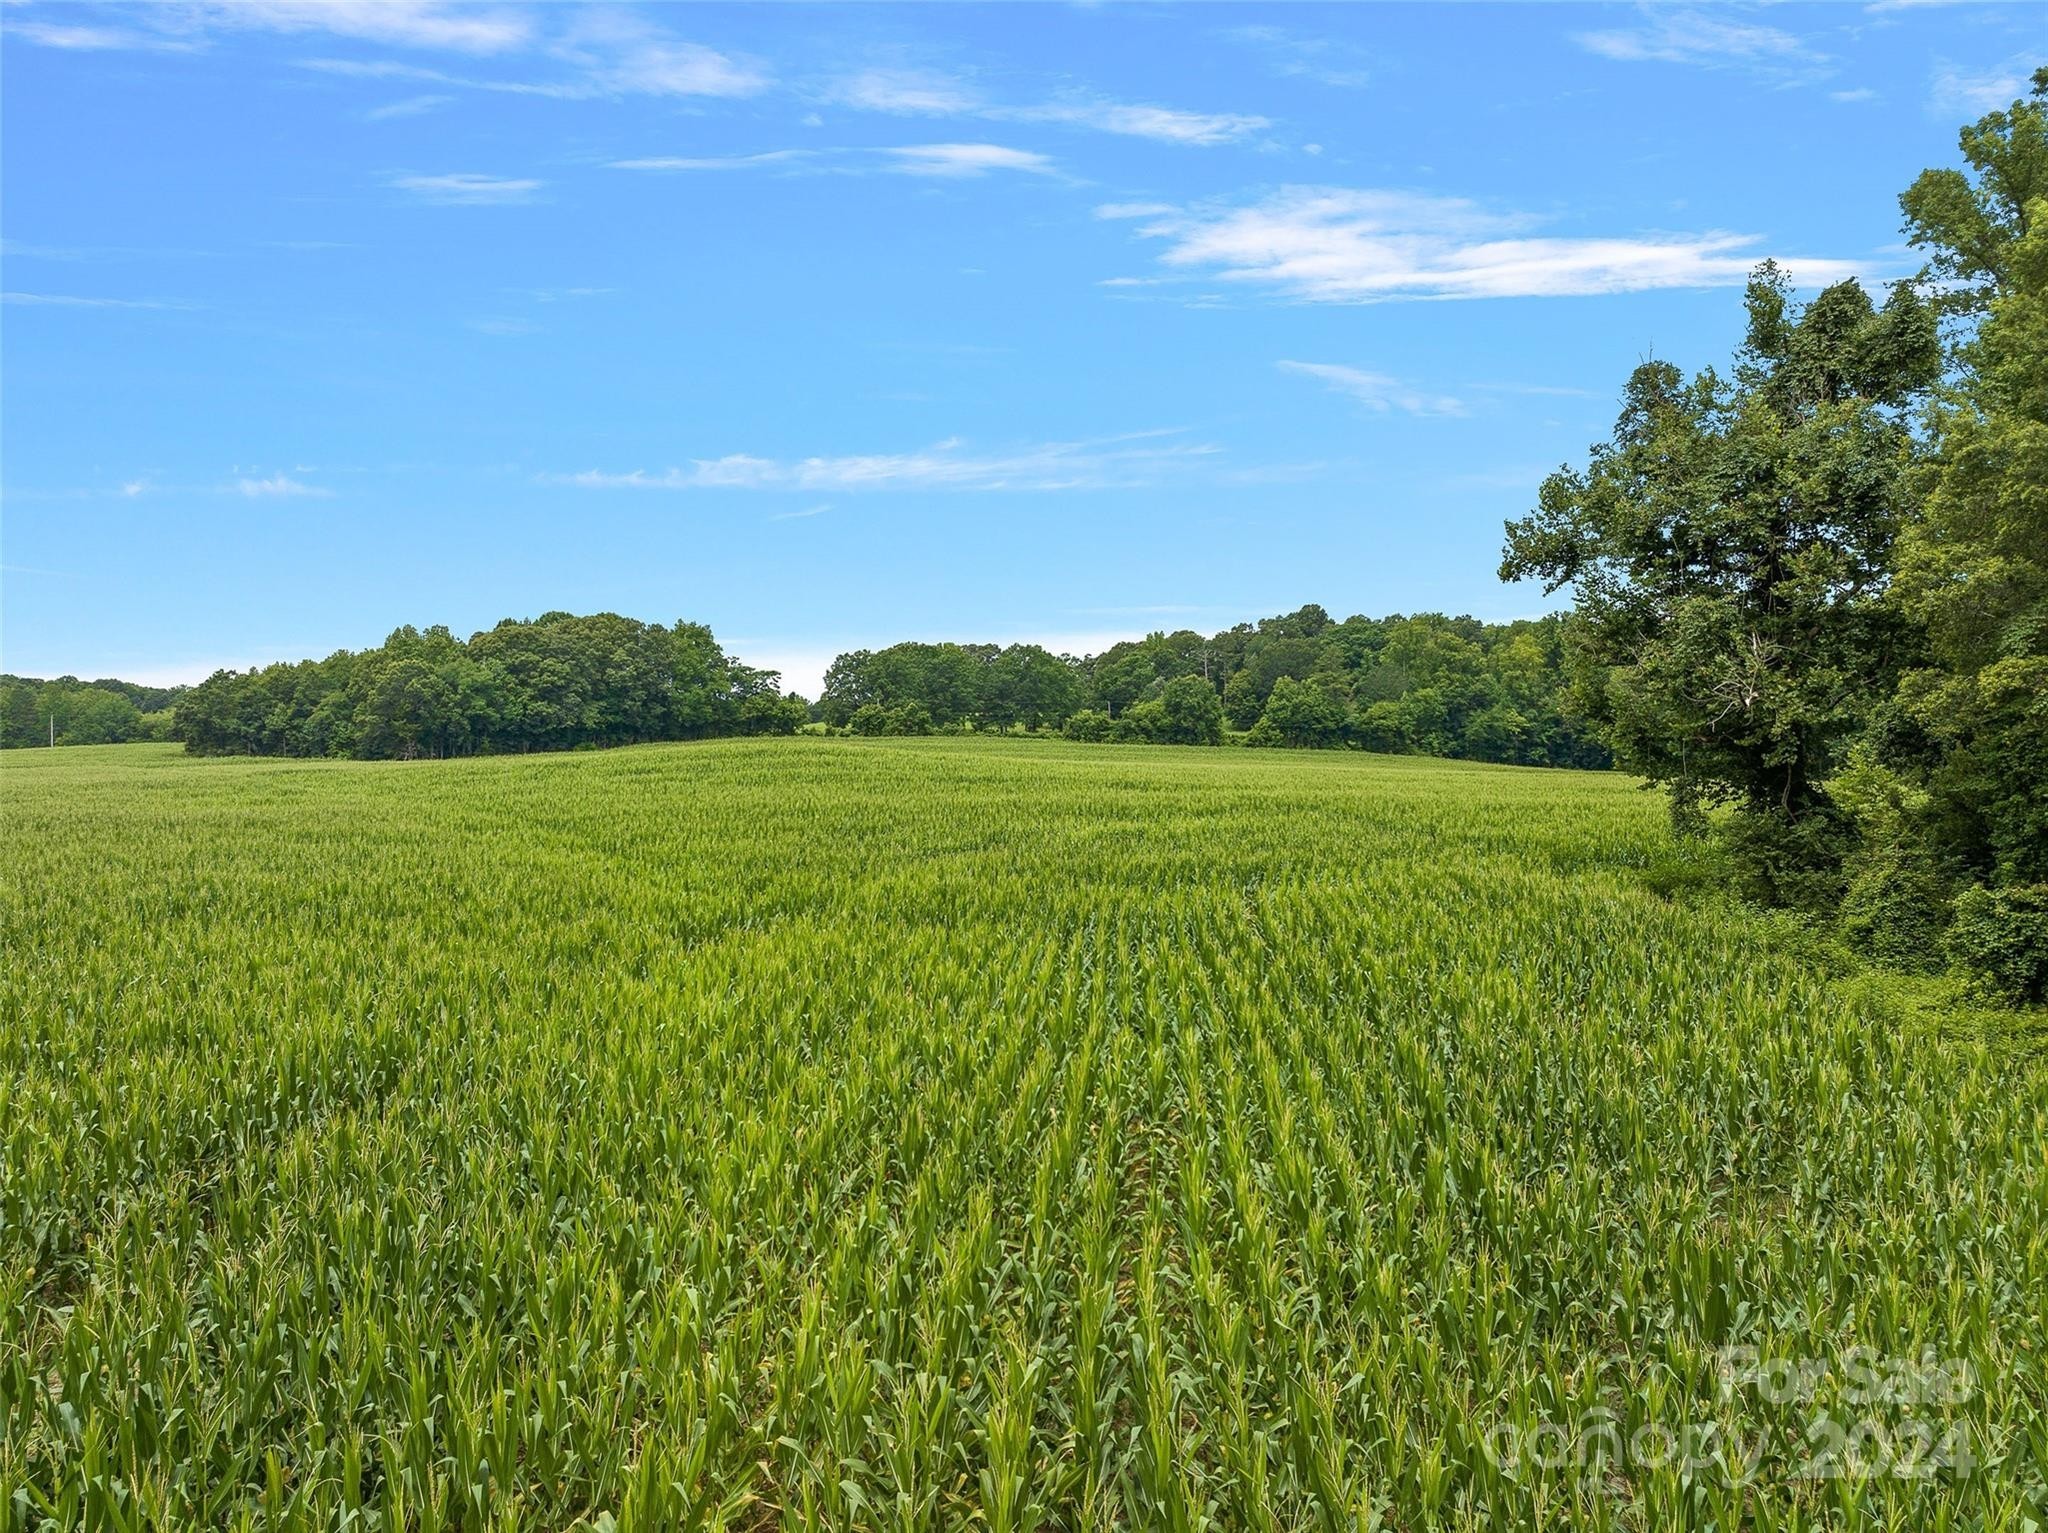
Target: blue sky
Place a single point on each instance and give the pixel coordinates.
(832, 326)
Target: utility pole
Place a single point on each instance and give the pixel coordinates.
(53, 731)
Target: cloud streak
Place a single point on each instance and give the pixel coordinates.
(412, 106)
(1959, 92)
(1322, 244)
(93, 39)
(75, 301)
(1671, 36)
(1161, 124)
(717, 162)
(928, 93)
(604, 51)
(904, 93)
(956, 161)
(469, 190)
(405, 23)
(1126, 462)
(276, 487)
(1376, 391)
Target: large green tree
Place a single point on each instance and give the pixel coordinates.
(1974, 568)
(1728, 550)
(1953, 799)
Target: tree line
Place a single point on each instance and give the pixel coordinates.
(1811, 594)
(67, 711)
(557, 682)
(1427, 684)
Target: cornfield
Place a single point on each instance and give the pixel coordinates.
(897, 1134)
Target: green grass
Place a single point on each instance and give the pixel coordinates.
(907, 1133)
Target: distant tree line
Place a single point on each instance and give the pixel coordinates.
(68, 711)
(1812, 595)
(1428, 684)
(558, 682)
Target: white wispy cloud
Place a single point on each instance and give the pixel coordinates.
(76, 301)
(480, 29)
(907, 92)
(966, 159)
(1164, 124)
(469, 189)
(92, 38)
(950, 160)
(621, 52)
(1376, 391)
(411, 106)
(597, 50)
(716, 161)
(1960, 92)
(1668, 35)
(397, 69)
(473, 29)
(1339, 245)
(1860, 93)
(1124, 462)
(794, 516)
(278, 486)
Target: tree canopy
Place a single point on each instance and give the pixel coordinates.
(557, 682)
(1729, 549)
(67, 711)
(1815, 593)
(1428, 684)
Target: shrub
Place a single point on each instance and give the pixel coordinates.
(1303, 714)
(1241, 699)
(1090, 725)
(910, 719)
(1791, 863)
(1193, 712)
(770, 713)
(1383, 726)
(1894, 907)
(1141, 723)
(1999, 939)
(903, 719)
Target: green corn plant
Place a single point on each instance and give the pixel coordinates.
(920, 1134)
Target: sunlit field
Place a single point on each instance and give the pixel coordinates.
(918, 1133)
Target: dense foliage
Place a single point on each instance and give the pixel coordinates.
(1428, 684)
(1729, 551)
(855, 1134)
(556, 683)
(1958, 793)
(68, 711)
(1791, 602)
